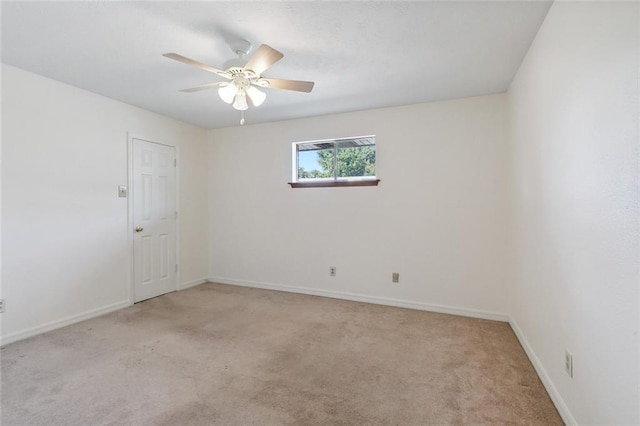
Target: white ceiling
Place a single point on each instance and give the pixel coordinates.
(361, 55)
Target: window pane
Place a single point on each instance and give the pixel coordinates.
(331, 159)
(356, 161)
(315, 163)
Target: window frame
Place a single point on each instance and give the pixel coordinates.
(335, 181)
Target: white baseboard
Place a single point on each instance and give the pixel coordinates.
(20, 335)
(562, 408)
(474, 313)
(184, 286)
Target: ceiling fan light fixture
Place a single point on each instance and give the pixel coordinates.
(244, 75)
(241, 101)
(256, 96)
(228, 92)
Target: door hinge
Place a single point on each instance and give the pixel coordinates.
(175, 162)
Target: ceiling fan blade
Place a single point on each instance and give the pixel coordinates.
(196, 64)
(204, 87)
(264, 57)
(298, 86)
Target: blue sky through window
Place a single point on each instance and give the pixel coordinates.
(308, 160)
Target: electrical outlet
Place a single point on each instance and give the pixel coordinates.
(332, 271)
(395, 277)
(568, 363)
(3, 304)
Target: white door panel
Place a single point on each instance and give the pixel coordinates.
(154, 219)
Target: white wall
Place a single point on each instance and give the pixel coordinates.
(574, 133)
(64, 230)
(437, 217)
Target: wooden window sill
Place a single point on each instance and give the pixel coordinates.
(334, 184)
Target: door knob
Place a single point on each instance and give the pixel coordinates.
(139, 229)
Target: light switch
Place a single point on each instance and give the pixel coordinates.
(122, 191)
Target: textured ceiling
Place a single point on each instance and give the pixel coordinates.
(361, 55)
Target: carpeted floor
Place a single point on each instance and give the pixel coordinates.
(224, 355)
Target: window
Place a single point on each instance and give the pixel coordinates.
(335, 162)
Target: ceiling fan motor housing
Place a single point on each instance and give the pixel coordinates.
(240, 47)
(233, 64)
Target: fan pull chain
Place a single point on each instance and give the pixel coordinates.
(242, 118)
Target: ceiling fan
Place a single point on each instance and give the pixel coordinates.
(245, 78)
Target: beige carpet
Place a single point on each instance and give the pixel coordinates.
(226, 355)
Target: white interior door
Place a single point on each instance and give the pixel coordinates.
(154, 219)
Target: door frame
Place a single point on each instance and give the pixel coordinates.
(130, 233)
